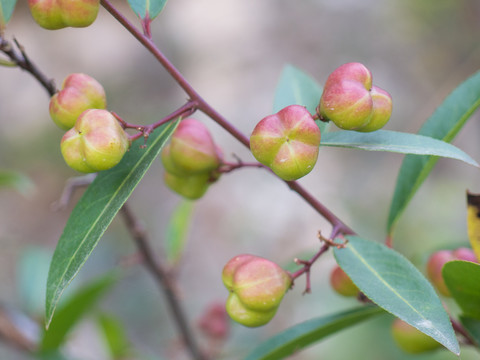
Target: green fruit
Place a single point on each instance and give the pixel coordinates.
(57, 14)
(191, 187)
(342, 283)
(192, 150)
(256, 286)
(412, 340)
(96, 142)
(350, 101)
(287, 142)
(79, 92)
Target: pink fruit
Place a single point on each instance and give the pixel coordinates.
(342, 283)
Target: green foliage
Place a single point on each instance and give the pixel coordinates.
(385, 140)
(393, 283)
(463, 280)
(95, 211)
(177, 231)
(444, 124)
(115, 336)
(6, 11)
(307, 333)
(147, 9)
(72, 311)
(473, 328)
(15, 180)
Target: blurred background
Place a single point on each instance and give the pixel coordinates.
(233, 53)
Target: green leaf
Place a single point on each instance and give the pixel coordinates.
(68, 315)
(115, 336)
(147, 9)
(385, 140)
(473, 328)
(6, 11)
(177, 230)
(95, 211)
(302, 335)
(17, 181)
(295, 87)
(393, 283)
(463, 280)
(444, 124)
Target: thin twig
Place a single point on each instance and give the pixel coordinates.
(163, 279)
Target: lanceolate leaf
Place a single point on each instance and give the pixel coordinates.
(177, 230)
(6, 10)
(444, 124)
(295, 87)
(73, 311)
(384, 140)
(463, 280)
(393, 283)
(95, 211)
(473, 221)
(302, 335)
(147, 9)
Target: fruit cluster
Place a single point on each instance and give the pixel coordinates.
(58, 14)
(256, 286)
(351, 102)
(439, 258)
(191, 159)
(94, 140)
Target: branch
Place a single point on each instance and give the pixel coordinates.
(163, 280)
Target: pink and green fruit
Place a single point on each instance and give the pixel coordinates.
(350, 101)
(58, 14)
(412, 340)
(256, 286)
(438, 259)
(191, 187)
(79, 92)
(96, 142)
(287, 142)
(342, 283)
(192, 149)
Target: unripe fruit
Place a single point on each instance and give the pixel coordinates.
(287, 142)
(96, 142)
(438, 259)
(192, 150)
(215, 323)
(350, 101)
(191, 187)
(57, 14)
(412, 340)
(342, 283)
(79, 92)
(256, 286)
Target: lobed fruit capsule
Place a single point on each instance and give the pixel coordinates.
(256, 286)
(287, 142)
(410, 339)
(96, 142)
(351, 102)
(342, 283)
(79, 92)
(58, 14)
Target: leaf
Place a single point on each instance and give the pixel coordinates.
(463, 280)
(385, 140)
(17, 181)
(444, 124)
(302, 335)
(95, 211)
(295, 87)
(393, 283)
(473, 328)
(147, 9)
(115, 336)
(73, 311)
(177, 230)
(473, 221)
(6, 11)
